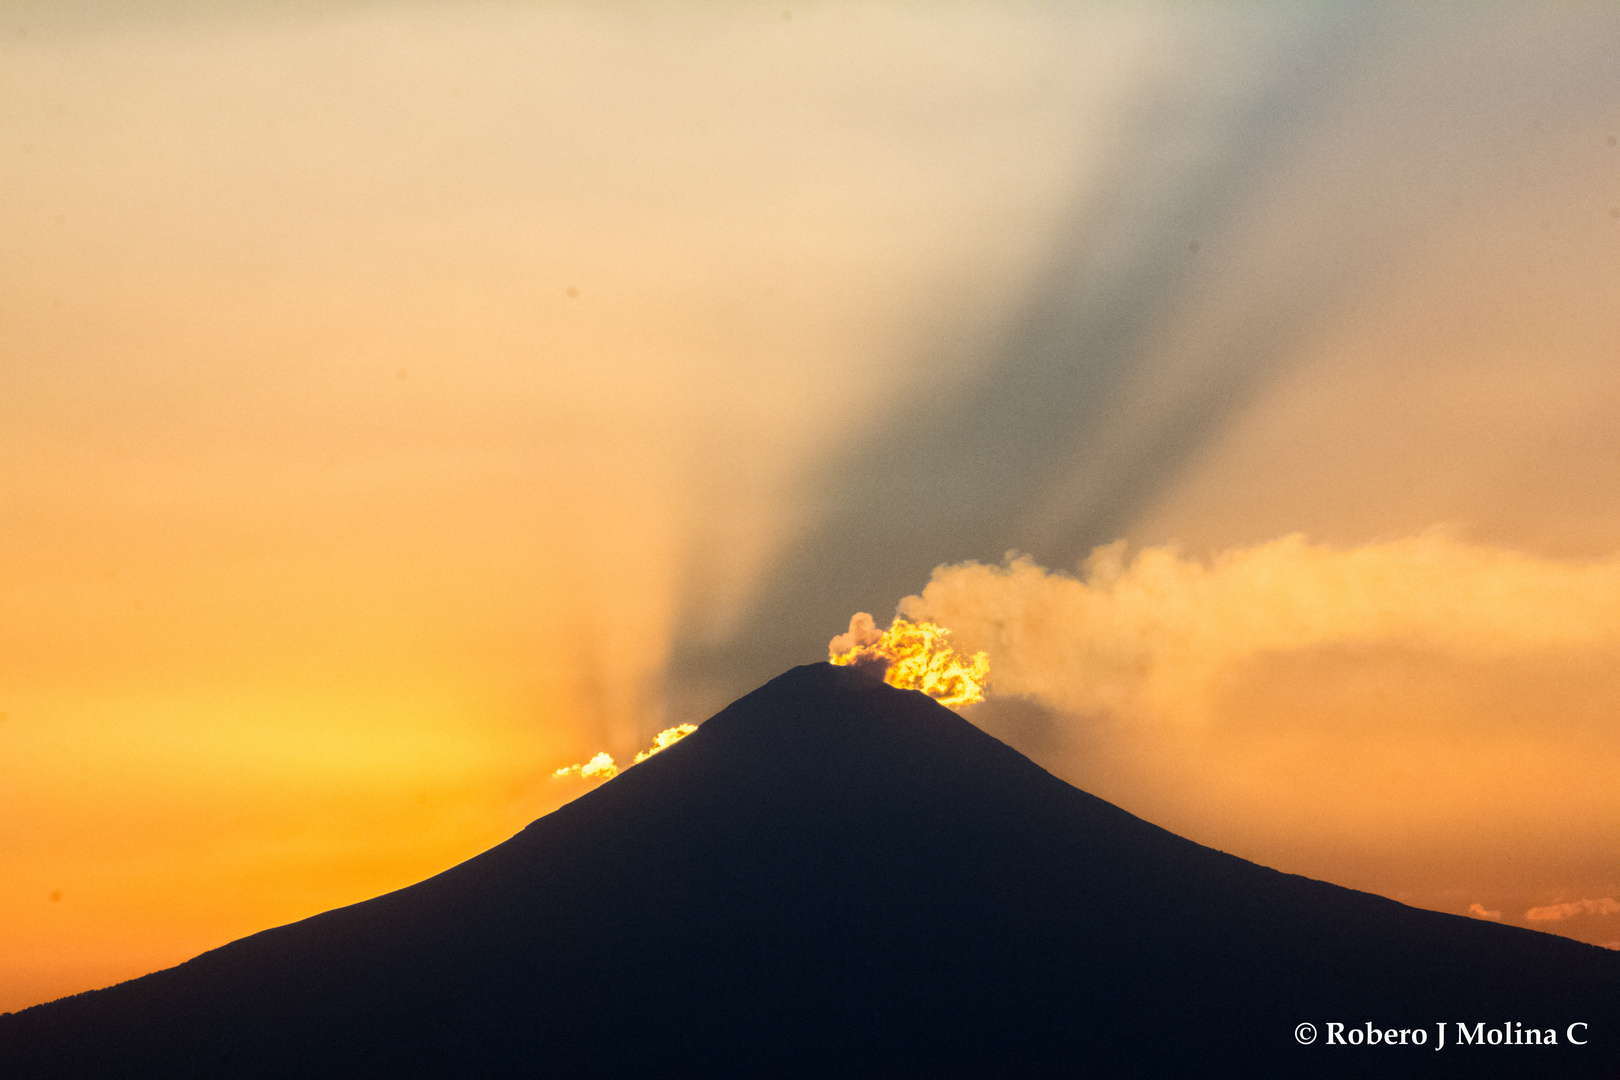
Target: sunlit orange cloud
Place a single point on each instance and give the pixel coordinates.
(1423, 717)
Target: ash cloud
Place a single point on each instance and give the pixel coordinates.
(863, 630)
(1151, 636)
(1418, 717)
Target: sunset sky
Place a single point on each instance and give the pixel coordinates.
(402, 401)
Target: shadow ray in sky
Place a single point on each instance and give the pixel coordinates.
(968, 479)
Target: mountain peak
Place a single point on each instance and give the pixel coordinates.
(833, 876)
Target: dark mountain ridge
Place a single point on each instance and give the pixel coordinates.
(834, 877)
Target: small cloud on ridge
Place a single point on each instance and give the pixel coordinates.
(603, 765)
(1553, 912)
(1478, 910)
(665, 739)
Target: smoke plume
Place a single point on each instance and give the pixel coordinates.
(1152, 637)
(1424, 717)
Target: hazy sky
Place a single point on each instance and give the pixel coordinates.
(399, 401)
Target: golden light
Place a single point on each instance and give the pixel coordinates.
(916, 656)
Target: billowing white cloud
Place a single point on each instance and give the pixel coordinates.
(1150, 637)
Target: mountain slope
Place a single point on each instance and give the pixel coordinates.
(832, 876)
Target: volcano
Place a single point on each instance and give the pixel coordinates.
(833, 877)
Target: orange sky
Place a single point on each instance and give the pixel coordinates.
(400, 402)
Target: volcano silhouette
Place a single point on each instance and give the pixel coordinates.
(833, 877)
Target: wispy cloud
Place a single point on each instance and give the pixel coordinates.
(1555, 912)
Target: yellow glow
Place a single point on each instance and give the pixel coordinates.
(353, 471)
(916, 656)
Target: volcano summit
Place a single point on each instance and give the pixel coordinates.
(835, 877)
